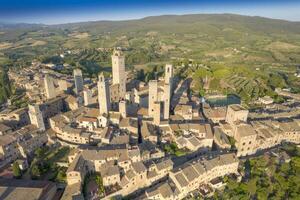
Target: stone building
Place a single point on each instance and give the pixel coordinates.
(36, 116)
(27, 189)
(167, 100)
(20, 143)
(169, 74)
(236, 113)
(118, 72)
(50, 91)
(157, 113)
(87, 97)
(76, 171)
(52, 107)
(245, 137)
(123, 108)
(189, 176)
(78, 80)
(103, 95)
(16, 118)
(8, 149)
(153, 97)
(168, 87)
(68, 134)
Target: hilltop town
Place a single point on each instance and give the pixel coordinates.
(122, 137)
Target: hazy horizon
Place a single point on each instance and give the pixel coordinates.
(73, 11)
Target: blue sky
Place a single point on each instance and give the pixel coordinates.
(65, 11)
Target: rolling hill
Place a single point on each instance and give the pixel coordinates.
(217, 41)
(221, 37)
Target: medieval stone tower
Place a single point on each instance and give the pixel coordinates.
(103, 95)
(168, 90)
(118, 72)
(78, 80)
(36, 117)
(153, 96)
(49, 87)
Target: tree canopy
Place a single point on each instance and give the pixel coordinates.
(268, 179)
(5, 86)
(16, 170)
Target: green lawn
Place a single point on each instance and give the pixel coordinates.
(172, 149)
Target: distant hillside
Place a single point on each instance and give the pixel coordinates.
(185, 23)
(248, 56)
(18, 25)
(222, 38)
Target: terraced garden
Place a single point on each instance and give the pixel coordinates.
(247, 88)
